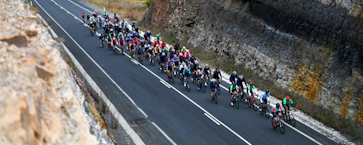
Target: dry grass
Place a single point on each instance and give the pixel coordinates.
(132, 10)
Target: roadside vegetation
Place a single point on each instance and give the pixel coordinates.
(132, 10)
(323, 115)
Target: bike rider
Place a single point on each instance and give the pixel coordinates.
(240, 81)
(217, 75)
(150, 52)
(162, 60)
(198, 76)
(251, 88)
(169, 67)
(83, 17)
(233, 77)
(265, 96)
(206, 72)
(213, 86)
(276, 111)
(102, 36)
(186, 74)
(286, 102)
(176, 63)
(233, 90)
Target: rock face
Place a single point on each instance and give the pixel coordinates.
(314, 47)
(38, 101)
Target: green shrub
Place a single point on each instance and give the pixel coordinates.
(148, 3)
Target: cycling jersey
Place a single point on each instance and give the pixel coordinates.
(239, 82)
(135, 41)
(139, 51)
(216, 74)
(186, 54)
(198, 74)
(275, 111)
(186, 72)
(206, 71)
(233, 88)
(250, 88)
(265, 96)
(108, 37)
(213, 86)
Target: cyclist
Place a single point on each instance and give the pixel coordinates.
(158, 37)
(198, 76)
(95, 13)
(233, 90)
(176, 62)
(286, 102)
(83, 17)
(177, 47)
(92, 27)
(88, 16)
(184, 49)
(213, 86)
(133, 25)
(150, 52)
(102, 36)
(186, 75)
(240, 80)
(147, 35)
(265, 96)
(105, 14)
(115, 18)
(139, 52)
(251, 88)
(233, 77)
(157, 49)
(276, 111)
(217, 75)
(169, 67)
(206, 72)
(162, 57)
(187, 54)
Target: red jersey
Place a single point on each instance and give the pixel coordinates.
(135, 41)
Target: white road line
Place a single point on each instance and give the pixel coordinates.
(165, 83)
(212, 119)
(233, 132)
(134, 136)
(156, 126)
(142, 112)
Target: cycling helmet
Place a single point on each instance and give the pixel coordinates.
(196, 62)
(251, 84)
(213, 80)
(150, 48)
(175, 55)
(157, 45)
(163, 54)
(206, 65)
(157, 35)
(277, 105)
(234, 72)
(267, 91)
(288, 98)
(148, 31)
(180, 53)
(111, 30)
(217, 67)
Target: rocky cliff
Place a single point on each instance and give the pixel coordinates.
(312, 47)
(40, 103)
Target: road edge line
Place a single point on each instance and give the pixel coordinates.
(121, 120)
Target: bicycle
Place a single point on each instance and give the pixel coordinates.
(252, 102)
(278, 124)
(215, 96)
(235, 101)
(170, 77)
(264, 110)
(92, 30)
(289, 118)
(187, 86)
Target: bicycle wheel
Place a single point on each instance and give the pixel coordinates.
(282, 127)
(267, 112)
(262, 110)
(249, 103)
(203, 88)
(272, 123)
(237, 104)
(215, 98)
(292, 120)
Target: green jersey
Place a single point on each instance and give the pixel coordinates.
(233, 88)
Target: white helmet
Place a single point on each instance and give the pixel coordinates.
(206, 65)
(196, 62)
(234, 72)
(163, 54)
(184, 47)
(180, 53)
(213, 80)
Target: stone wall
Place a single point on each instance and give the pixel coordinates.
(313, 48)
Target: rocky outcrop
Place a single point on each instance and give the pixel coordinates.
(40, 103)
(313, 48)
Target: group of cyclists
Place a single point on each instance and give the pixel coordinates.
(174, 60)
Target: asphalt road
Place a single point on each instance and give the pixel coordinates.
(183, 120)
